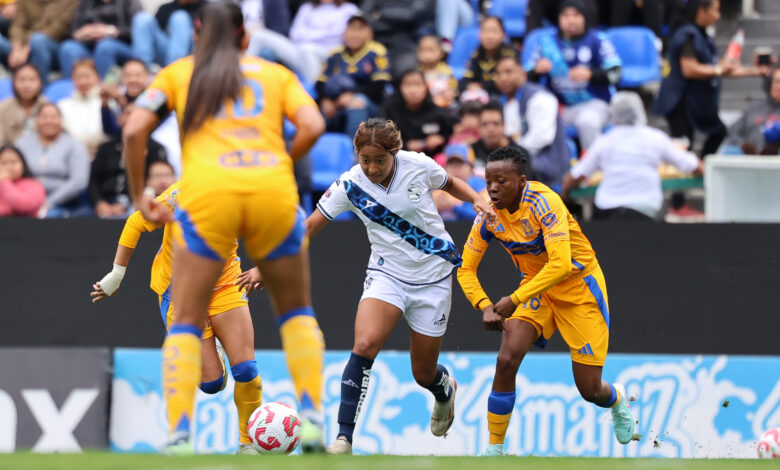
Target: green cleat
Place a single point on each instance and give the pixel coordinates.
(622, 418)
(493, 450)
(179, 444)
(312, 437)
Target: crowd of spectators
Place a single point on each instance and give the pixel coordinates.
(63, 158)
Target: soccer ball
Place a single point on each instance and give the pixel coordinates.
(769, 445)
(274, 428)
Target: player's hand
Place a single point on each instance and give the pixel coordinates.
(505, 307)
(482, 207)
(250, 280)
(97, 293)
(152, 210)
(492, 320)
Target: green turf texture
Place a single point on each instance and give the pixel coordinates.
(93, 460)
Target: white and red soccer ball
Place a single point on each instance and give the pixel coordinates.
(769, 445)
(274, 428)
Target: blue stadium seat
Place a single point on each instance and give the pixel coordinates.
(513, 14)
(289, 129)
(636, 47)
(573, 153)
(58, 90)
(465, 43)
(330, 157)
(531, 41)
(6, 88)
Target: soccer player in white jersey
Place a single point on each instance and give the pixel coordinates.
(409, 271)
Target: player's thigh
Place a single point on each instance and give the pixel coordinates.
(273, 230)
(582, 316)
(168, 311)
(427, 308)
(211, 366)
(195, 277)
(288, 280)
(536, 311)
(374, 321)
(236, 333)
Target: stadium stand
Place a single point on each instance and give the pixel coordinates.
(636, 48)
(513, 14)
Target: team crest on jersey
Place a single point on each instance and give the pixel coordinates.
(173, 198)
(415, 192)
(528, 229)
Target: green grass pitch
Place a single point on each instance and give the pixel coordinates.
(96, 460)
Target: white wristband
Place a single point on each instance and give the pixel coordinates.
(110, 282)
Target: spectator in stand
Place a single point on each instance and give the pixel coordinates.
(491, 136)
(460, 164)
(531, 119)
(108, 190)
(266, 14)
(650, 13)
(81, 111)
(135, 77)
(690, 94)
(750, 132)
(451, 15)
(60, 163)
(424, 126)
(581, 67)
(397, 25)
(466, 130)
(352, 86)
(318, 29)
(7, 13)
(492, 46)
(38, 27)
(17, 113)
(166, 36)
(160, 175)
(21, 195)
(629, 155)
(438, 75)
(540, 11)
(101, 30)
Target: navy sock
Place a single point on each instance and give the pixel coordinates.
(440, 386)
(354, 386)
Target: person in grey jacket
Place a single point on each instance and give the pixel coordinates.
(60, 163)
(748, 132)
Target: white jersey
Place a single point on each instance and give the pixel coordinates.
(407, 235)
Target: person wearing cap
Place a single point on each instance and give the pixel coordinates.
(629, 156)
(352, 85)
(317, 29)
(532, 119)
(491, 134)
(581, 68)
(460, 164)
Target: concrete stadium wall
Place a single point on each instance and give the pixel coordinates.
(686, 289)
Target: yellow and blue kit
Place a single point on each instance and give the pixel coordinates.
(368, 67)
(563, 286)
(226, 296)
(237, 178)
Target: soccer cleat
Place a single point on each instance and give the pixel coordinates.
(221, 353)
(444, 412)
(179, 444)
(622, 418)
(340, 446)
(247, 449)
(312, 437)
(493, 450)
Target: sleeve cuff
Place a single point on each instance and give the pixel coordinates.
(446, 180)
(324, 212)
(515, 298)
(483, 304)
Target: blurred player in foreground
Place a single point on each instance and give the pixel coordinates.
(410, 268)
(563, 288)
(237, 181)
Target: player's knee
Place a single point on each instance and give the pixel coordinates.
(245, 371)
(366, 347)
(507, 364)
(424, 375)
(590, 391)
(213, 387)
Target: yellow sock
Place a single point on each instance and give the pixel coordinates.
(247, 396)
(497, 425)
(304, 347)
(181, 375)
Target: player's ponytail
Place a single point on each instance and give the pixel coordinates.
(216, 76)
(380, 133)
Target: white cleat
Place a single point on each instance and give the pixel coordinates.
(444, 412)
(221, 353)
(493, 450)
(340, 446)
(247, 449)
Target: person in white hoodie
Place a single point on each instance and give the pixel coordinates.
(81, 111)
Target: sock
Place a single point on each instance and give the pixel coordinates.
(212, 387)
(613, 398)
(304, 348)
(247, 394)
(441, 386)
(181, 375)
(354, 386)
(500, 405)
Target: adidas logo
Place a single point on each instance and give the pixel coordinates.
(499, 228)
(586, 350)
(350, 383)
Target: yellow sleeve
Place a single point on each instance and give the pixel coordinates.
(553, 217)
(294, 96)
(136, 224)
(477, 243)
(160, 96)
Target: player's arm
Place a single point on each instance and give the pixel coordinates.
(461, 190)
(473, 252)
(315, 222)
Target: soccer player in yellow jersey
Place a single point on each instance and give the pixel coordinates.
(563, 288)
(237, 181)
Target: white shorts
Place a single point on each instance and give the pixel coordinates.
(425, 307)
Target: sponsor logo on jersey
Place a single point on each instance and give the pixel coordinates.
(415, 192)
(549, 220)
(499, 228)
(368, 204)
(367, 283)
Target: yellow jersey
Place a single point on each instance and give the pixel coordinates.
(541, 236)
(162, 267)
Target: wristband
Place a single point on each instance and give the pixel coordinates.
(148, 191)
(110, 282)
(718, 71)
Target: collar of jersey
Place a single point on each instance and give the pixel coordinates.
(395, 172)
(513, 216)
